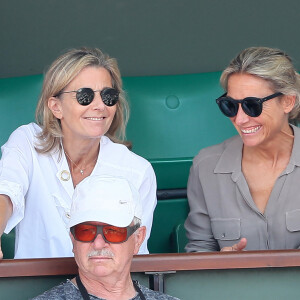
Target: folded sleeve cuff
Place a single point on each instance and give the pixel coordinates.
(15, 192)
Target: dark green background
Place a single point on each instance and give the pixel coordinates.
(148, 37)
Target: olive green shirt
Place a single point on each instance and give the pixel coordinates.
(222, 210)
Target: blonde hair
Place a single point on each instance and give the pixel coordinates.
(62, 71)
(272, 65)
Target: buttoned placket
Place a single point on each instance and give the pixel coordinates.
(63, 174)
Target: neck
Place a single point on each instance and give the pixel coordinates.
(275, 149)
(82, 153)
(108, 288)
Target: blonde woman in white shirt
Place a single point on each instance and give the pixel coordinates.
(81, 118)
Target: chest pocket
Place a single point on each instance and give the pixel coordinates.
(292, 219)
(226, 229)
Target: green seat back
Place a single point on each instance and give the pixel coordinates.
(167, 214)
(172, 118)
(8, 245)
(179, 237)
(18, 98)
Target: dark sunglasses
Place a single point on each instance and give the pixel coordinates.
(252, 106)
(85, 96)
(87, 233)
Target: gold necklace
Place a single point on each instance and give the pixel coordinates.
(80, 169)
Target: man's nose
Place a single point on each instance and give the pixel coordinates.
(99, 241)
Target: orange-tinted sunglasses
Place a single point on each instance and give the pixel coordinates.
(87, 233)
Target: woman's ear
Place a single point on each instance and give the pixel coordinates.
(54, 105)
(139, 238)
(288, 102)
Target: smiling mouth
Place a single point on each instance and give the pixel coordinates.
(95, 119)
(253, 130)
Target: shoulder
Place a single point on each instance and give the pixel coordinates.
(213, 153)
(29, 129)
(150, 294)
(24, 133)
(296, 131)
(120, 154)
(63, 291)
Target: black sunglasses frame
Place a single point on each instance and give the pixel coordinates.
(85, 96)
(244, 102)
(130, 231)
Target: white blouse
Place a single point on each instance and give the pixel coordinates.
(41, 190)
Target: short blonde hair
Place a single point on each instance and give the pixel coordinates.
(62, 71)
(272, 65)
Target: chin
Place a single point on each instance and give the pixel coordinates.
(252, 142)
(101, 272)
(95, 135)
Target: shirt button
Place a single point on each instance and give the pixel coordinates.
(68, 215)
(223, 235)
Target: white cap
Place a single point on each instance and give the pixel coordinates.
(105, 199)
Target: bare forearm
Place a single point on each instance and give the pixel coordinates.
(5, 211)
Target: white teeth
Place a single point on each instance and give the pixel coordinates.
(250, 130)
(95, 119)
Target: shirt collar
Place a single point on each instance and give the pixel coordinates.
(295, 156)
(230, 159)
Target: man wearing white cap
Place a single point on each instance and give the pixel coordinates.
(105, 231)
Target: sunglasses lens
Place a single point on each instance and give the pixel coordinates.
(252, 107)
(109, 96)
(85, 232)
(228, 107)
(115, 234)
(85, 96)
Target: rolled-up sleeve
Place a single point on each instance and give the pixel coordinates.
(14, 174)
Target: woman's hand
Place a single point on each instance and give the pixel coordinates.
(6, 209)
(237, 247)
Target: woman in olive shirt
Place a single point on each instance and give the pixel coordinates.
(245, 192)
